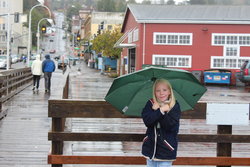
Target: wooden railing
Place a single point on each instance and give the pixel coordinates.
(64, 108)
(12, 82)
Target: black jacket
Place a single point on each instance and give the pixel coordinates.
(161, 143)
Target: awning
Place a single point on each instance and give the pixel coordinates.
(126, 45)
(88, 49)
(119, 43)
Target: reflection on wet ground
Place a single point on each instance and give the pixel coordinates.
(95, 86)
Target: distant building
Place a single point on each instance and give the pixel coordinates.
(18, 32)
(101, 21)
(189, 37)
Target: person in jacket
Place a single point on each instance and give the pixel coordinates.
(36, 69)
(48, 67)
(161, 116)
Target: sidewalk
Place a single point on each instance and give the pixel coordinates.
(88, 83)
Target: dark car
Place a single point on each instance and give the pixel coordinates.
(62, 64)
(244, 75)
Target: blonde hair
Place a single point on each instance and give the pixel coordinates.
(171, 98)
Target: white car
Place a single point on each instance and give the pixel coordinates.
(3, 61)
(14, 59)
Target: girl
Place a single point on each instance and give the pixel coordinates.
(161, 116)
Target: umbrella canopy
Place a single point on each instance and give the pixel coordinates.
(129, 93)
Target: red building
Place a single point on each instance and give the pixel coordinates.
(189, 37)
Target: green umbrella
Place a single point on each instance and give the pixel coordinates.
(129, 93)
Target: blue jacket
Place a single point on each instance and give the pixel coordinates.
(48, 65)
(161, 142)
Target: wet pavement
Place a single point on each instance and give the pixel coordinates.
(23, 133)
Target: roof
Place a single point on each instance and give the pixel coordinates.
(212, 14)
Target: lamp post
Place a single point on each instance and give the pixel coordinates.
(30, 34)
(38, 34)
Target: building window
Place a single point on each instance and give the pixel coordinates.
(172, 60)
(172, 38)
(110, 27)
(136, 35)
(219, 40)
(227, 62)
(231, 39)
(4, 4)
(2, 38)
(231, 51)
(244, 40)
(3, 26)
(161, 39)
(130, 37)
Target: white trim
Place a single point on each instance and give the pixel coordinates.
(167, 34)
(227, 58)
(189, 57)
(240, 22)
(126, 45)
(123, 37)
(225, 35)
(231, 46)
(144, 43)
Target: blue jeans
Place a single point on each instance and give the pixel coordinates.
(47, 79)
(152, 163)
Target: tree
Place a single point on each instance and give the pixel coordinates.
(104, 43)
(171, 2)
(120, 5)
(131, 1)
(146, 2)
(201, 2)
(106, 6)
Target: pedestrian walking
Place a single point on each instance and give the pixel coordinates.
(48, 66)
(161, 116)
(36, 69)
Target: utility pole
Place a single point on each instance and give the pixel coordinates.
(8, 43)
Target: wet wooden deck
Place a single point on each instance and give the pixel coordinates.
(23, 133)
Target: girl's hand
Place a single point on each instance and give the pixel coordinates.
(165, 108)
(155, 106)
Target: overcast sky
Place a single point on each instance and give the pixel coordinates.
(177, 1)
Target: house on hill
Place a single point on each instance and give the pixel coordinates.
(188, 37)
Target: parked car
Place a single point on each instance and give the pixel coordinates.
(3, 62)
(244, 75)
(62, 63)
(52, 51)
(14, 59)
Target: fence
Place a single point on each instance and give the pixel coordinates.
(61, 109)
(12, 82)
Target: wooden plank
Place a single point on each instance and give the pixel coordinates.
(102, 109)
(199, 112)
(78, 108)
(3, 113)
(135, 160)
(72, 136)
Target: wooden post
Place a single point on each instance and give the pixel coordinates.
(224, 149)
(57, 146)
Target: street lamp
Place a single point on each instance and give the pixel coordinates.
(30, 34)
(38, 34)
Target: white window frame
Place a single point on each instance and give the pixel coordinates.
(171, 34)
(226, 60)
(226, 35)
(237, 47)
(130, 37)
(136, 35)
(173, 56)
